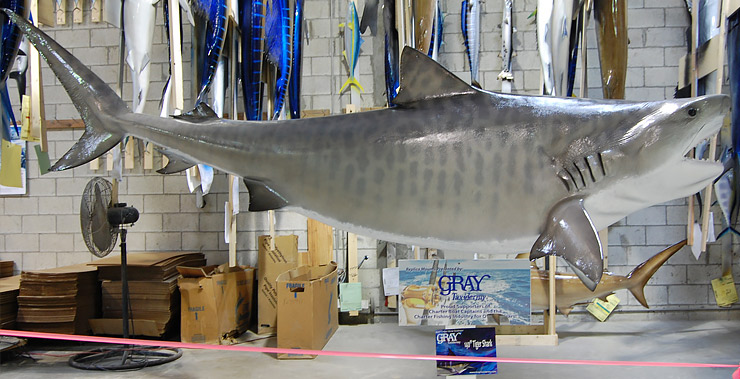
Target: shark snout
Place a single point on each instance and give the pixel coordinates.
(706, 114)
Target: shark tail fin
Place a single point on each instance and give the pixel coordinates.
(352, 81)
(93, 98)
(639, 277)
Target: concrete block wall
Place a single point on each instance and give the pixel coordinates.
(41, 229)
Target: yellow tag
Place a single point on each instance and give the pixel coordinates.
(602, 309)
(10, 165)
(724, 291)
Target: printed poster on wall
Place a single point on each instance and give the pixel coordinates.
(475, 342)
(463, 292)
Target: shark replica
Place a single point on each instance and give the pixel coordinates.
(570, 292)
(451, 166)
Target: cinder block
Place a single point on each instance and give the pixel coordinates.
(665, 37)
(687, 294)
(661, 76)
(173, 222)
(22, 206)
(211, 222)
(58, 205)
(646, 18)
(71, 39)
(655, 215)
(25, 243)
(200, 241)
(11, 224)
(627, 235)
(669, 275)
(645, 57)
(39, 224)
(56, 242)
(370, 278)
(702, 274)
(169, 203)
(655, 295)
(72, 258)
(161, 241)
(290, 221)
(149, 184)
(664, 235)
(39, 261)
(677, 215)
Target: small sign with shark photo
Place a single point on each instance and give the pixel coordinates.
(477, 342)
(463, 292)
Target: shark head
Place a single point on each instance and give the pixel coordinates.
(650, 164)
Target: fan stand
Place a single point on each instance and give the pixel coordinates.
(126, 357)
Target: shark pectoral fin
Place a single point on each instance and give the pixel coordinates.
(262, 197)
(423, 78)
(201, 113)
(570, 234)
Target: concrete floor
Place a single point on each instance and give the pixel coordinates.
(670, 341)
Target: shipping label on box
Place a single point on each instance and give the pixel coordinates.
(272, 263)
(307, 308)
(215, 306)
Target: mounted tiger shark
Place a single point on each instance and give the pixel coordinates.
(451, 166)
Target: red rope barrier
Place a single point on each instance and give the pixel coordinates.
(275, 350)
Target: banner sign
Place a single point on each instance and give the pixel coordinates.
(463, 292)
(474, 342)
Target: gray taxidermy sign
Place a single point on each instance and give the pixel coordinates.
(451, 166)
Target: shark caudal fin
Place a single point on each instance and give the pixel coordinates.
(93, 98)
(639, 277)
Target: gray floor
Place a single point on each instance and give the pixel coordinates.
(670, 341)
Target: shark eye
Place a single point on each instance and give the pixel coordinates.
(692, 112)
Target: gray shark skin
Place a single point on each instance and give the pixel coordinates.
(451, 166)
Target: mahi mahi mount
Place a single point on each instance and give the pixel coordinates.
(451, 166)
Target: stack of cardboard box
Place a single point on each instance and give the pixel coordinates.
(6, 269)
(154, 301)
(59, 300)
(9, 287)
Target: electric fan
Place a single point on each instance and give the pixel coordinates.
(102, 220)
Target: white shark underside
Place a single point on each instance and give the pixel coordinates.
(449, 167)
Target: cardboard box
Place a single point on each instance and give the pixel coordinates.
(216, 303)
(307, 308)
(272, 263)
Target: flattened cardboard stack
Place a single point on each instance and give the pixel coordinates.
(59, 300)
(6, 269)
(9, 287)
(153, 295)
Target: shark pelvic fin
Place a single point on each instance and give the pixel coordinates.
(262, 197)
(639, 277)
(175, 164)
(423, 78)
(570, 234)
(201, 113)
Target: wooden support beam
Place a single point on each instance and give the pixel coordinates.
(694, 83)
(352, 275)
(551, 288)
(320, 243)
(37, 112)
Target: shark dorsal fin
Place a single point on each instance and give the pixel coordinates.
(201, 113)
(423, 78)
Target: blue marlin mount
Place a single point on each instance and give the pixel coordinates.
(451, 166)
